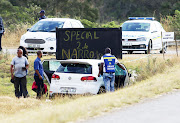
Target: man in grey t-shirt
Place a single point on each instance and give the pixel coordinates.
(19, 66)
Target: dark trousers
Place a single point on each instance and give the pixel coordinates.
(0, 40)
(21, 92)
(40, 84)
(23, 82)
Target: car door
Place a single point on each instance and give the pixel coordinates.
(50, 66)
(156, 36)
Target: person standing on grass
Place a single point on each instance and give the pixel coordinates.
(19, 65)
(38, 76)
(42, 15)
(25, 54)
(108, 62)
(1, 31)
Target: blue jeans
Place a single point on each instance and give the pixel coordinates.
(109, 79)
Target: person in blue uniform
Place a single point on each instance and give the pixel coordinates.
(107, 66)
(1, 31)
(38, 76)
(42, 15)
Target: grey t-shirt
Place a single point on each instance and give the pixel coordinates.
(19, 63)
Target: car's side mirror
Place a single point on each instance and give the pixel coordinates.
(28, 29)
(129, 75)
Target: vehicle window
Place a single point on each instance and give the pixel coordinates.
(75, 68)
(75, 24)
(67, 24)
(144, 27)
(46, 65)
(51, 65)
(54, 65)
(118, 70)
(46, 26)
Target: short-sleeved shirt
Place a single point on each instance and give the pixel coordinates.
(19, 63)
(38, 66)
(102, 61)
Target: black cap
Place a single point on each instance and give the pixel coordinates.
(42, 11)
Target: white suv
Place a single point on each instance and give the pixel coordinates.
(42, 35)
(142, 34)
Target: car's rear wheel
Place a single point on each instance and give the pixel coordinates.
(130, 52)
(101, 90)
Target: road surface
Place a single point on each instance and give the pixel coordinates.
(165, 109)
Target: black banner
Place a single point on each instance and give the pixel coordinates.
(87, 43)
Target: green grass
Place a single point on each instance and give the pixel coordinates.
(87, 107)
(155, 76)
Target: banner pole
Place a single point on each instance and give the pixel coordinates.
(162, 45)
(176, 44)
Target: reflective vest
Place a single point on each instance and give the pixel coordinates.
(109, 62)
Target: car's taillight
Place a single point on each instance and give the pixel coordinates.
(88, 79)
(55, 77)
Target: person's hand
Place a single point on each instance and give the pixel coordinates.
(12, 76)
(40, 77)
(3, 33)
(99, 74)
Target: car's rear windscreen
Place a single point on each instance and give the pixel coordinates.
(75, 68)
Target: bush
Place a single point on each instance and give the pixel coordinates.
(172, 23)
(111, 24)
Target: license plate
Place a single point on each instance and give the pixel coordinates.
(67, 89)
(127, 44)
(33, 45)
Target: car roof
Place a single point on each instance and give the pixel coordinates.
(89, 61)
(142, 21)
(58, 19)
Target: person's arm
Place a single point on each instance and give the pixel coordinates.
(100, 69)
(120, 66)
(117, 62)
(2, 27)
(36, 68)
(37, 71)
(27, 66)
(12, 71)
(26, 63)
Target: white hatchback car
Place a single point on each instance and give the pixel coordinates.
(42, 35)
(142, 34)
(79, 76)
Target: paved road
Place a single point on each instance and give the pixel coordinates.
(165, 109)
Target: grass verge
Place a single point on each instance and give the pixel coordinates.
(85, 107)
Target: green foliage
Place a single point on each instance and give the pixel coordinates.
(111, 24)
(176, 23)
(13, 15)
(89, 24)
(173, 22)
(89, 12)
